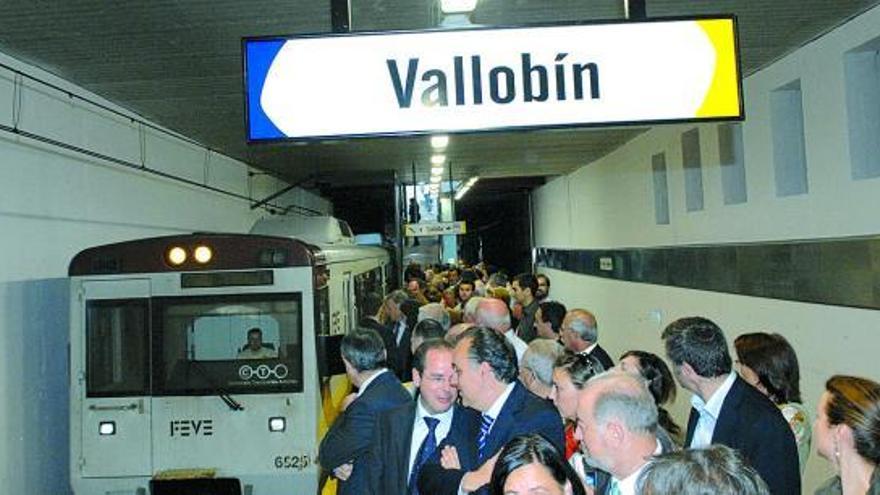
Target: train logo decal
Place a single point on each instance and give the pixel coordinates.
(263, 372)
(192, 427)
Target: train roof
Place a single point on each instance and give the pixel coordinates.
(229, 252)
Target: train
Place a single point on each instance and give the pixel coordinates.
(208, 362)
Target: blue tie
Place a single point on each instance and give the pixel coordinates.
(485, 425)
(425, 451)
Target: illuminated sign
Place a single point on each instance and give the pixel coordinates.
(489, 79)
(435, 228)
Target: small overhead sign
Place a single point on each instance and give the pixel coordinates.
(319, 87)
(434, 229)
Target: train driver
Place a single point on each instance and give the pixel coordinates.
(255, 349)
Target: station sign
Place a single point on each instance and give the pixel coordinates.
(398, 83)
(434, 229)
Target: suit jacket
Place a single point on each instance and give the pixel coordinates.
(399, 355)
(350, 437)
(522, 413)
(603, 357)
(392, 444)
(525, 329)
(751, 424)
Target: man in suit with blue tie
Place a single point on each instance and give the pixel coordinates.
(486, 370)
(726, 409)
(407, 436)
(346, 446)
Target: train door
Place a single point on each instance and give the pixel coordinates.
(348, 300)
(114, 379)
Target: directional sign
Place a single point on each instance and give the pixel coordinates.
(315, 87)
(431, 229)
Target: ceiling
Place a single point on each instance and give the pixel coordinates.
(178, 63)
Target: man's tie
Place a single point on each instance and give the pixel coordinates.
(614, 487)
(486, 422)
(425, 451)
(398, 333)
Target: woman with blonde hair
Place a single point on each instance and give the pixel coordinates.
(847, 433)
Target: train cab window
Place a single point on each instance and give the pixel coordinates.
(118, 349)
(235, 343)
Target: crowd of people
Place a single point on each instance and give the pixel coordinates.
(470, 382)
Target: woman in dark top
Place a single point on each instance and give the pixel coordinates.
(530, 464)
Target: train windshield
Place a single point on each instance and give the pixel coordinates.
(227, 344)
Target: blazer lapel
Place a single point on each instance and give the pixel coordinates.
(692, 425)
(405, 446)
(503, 423)
(725, 425)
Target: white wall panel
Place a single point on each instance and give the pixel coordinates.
(613, 203)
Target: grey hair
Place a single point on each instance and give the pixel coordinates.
(437, 312)
(470, 307)
(539, 358)
(397, 297)
(589, 333)
(628, 400)
(717, 469)
(498, 322)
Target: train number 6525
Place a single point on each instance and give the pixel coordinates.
(298, 462)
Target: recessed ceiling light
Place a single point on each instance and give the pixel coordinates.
(439, 142)
(437, 170)
(457, 6)
(436, 179)
(438, 159)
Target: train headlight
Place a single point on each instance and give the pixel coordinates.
(106, 428)
(176, 255)
(203, 254)
(277, 424)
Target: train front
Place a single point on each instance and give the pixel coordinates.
(187, 367)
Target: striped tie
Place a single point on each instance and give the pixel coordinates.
(485, 425)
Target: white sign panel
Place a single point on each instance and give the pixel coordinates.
(431, 229)
(482, 79)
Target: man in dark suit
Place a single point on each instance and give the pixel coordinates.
(369, 310)
(580, 334)
(346, 447)
(617, 428)
(486, 371)
(726, 409)
(397, 338)
(407, 436)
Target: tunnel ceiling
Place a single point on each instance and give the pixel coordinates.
(178, 63)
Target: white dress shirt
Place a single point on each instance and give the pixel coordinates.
(709, 412)
(519, 345)
(370, 380)
(420, 431)
(627, 486)
(589, 350)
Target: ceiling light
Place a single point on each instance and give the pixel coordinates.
(457, 6)
(439, 142)
(436, 179)
(436, 170)
(438, 159)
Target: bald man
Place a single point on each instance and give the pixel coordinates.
(493, 313)
(580, 334)
(617, 428)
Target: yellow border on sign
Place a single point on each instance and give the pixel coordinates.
(722, 99)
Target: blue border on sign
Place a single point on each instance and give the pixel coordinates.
(259, 57)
